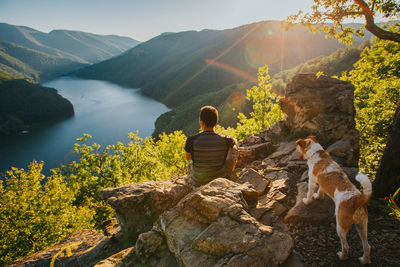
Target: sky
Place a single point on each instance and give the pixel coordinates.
(144, 19)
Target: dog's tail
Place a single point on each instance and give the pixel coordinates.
(366, 185)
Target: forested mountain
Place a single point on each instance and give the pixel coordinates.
(333, 65)
(36, 56)
(33, 65)
(232, 99)
(23, 104)
(172, 67)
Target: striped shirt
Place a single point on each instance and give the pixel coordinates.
(208, 150)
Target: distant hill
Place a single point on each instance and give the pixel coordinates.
(30, 54)
(75, 45)
(23, 104)
(172, 69)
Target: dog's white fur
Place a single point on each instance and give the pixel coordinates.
(350, 203)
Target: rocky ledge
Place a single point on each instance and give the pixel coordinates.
(256, 220)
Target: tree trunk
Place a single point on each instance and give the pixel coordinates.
(387, 179)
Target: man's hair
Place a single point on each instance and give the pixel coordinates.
(209, 115)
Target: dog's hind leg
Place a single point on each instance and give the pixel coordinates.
(342, 233)
(362, 229)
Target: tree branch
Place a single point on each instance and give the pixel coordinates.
(379, 32)
(373, 6)
(373, 28)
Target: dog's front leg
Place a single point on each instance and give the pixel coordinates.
(319, 194)
(312, 184)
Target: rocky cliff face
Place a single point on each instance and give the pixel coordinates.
(230, 223)
(323, 106)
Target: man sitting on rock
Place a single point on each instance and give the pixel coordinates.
(212, 154)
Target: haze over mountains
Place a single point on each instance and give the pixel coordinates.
(172, 67)
(34, 55)
(175, 68)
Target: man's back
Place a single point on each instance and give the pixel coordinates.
(208, 150)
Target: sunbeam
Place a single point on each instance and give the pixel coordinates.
(172, 93)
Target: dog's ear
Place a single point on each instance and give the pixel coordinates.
(312, 138)
(301, 143)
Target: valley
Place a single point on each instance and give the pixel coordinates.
(104, 110)
(94, 125)
(169, 68)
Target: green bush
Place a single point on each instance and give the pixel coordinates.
(376, 78)
(37, 211)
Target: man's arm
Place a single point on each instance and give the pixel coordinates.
(189, 148)
(231, 160)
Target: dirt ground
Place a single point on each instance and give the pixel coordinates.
(316, 245)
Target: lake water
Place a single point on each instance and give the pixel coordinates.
(104, 110)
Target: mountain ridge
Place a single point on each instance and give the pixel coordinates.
(171, 67)
(71, 49)
(45, 42)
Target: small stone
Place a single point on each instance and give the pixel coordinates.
(285, 149)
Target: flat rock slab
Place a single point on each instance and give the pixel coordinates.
(138, 206)
(321, 210)
(285, 148)
(257, 180)
(87, 248)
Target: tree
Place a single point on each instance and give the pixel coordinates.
(388, 175)
(337, 12)
(266, 110)
(377, 89)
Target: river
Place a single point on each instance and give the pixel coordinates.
(104, 110)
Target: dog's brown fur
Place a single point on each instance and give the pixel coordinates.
(349, 201)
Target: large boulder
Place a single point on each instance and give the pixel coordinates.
(212, 227)
(322, 106)
(138, 206)
(250, 153)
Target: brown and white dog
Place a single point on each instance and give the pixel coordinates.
(350, 203)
